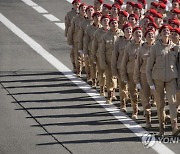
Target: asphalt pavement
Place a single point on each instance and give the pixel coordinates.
(42, 111)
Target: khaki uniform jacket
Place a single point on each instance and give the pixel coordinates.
(161, 64)
(68, 18)
(128, 60)
(74, 29)
(117, 54)
(89, 36)
(96, 42)
(141, 62)
(107, 47)
(177, 48)
(81, 34)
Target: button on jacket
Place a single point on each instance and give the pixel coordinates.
(162, 62)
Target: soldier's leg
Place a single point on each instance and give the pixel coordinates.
(109, 83)
(72, 56)
(93, 72)
(171, 96)
(78, 61)
(122, 93)
(160, 104)
(87, 68)
(178, 102)
(101, 79)
(133, 95)
(145, 99)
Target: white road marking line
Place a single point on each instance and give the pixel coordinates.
(128, 122)
(29, 2)
(39, 9)
(51, 17)
(61, 25)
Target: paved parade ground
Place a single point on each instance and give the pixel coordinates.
(44, 107)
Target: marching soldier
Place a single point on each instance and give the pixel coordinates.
(83, 25)
(161, 74)
(96, 47)
(73, 37)
(117, 60)
(106, 49)
(89, 36)
(140, 74)
(127, 67)
(68, 18)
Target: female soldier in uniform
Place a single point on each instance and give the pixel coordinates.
(161, 74)
(116, 62)
(106, 49)
(127, 67)
(140, 74)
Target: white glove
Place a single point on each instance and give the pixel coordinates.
(152, 87)
(71, 46)
(125, 82)
(138, 86)
(94, 62)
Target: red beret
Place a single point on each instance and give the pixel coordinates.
(163, 27)
(116, 6)
(152, 24)
(134, 15)
(119, 1)
(138, 5)
(177, 30)
(162, 6)
(148, 31)
(158, 15)
(96, 14)
(107, 6)
(82, 4)
(136, 28)
(177, 11)
(163, 1)
(124, 13)
(143, 1)
(178, 1)
(155, 4)
(150, 18)
(101, 1)
(113, 19)
(105, 16)
(152, 12)
(131, 3)
(174, 21)
(90, 6)
(76, 1)
(125, 26)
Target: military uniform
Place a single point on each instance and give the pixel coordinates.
(68, 18)
(116, 68)
(162, 72)
(73, 40)
(89, 36)
(95, 49)
(127, 71)
(81, 38)
(140, 78)
(106, 49)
